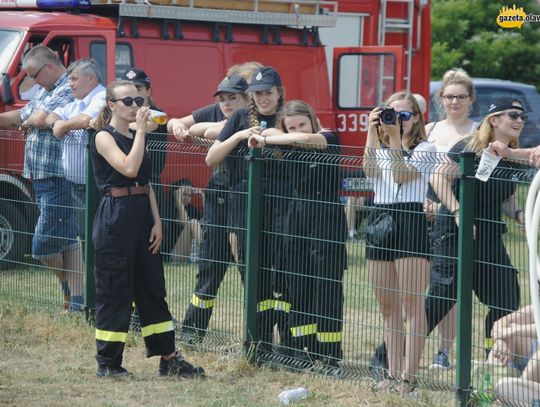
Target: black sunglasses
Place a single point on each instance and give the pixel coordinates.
(515, 115)
(128, 100)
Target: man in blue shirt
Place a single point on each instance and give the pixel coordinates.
(69, 123)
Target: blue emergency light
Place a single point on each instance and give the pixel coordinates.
(62, 3)
(44, 4)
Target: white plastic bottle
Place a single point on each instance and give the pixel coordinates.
(193, 254)
(290, 396)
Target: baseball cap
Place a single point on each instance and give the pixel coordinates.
(138, 77)
(234, 84)
(503, 103)
(263, 79)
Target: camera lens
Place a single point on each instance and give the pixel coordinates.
(388, 115)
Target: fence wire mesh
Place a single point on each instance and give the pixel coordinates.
(337, 293)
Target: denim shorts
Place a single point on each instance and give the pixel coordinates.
(56, 229)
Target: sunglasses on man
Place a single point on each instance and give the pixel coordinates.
(128, 100)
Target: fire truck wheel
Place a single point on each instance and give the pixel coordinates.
(11, 236)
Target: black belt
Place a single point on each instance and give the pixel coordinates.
(127, 191)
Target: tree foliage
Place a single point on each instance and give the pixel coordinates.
(465, 34)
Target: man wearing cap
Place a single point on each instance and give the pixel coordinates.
(55, 238)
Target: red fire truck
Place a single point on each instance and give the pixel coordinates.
(343, 57)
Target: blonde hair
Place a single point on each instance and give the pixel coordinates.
(104, 117)
(485, 134)
(455, 76)
(245, 70)
(418, 132)
(298, 108)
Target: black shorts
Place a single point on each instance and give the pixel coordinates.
(411, 235)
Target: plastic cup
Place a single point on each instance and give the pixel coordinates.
(488, 162)
(158, 117)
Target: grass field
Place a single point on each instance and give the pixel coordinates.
(47, 359)
(48, 348)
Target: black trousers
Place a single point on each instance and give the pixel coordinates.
(272, 306)
(125, 271)
(316, 258)
(495, 280)
(214, 258)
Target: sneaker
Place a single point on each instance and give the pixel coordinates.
(440, 361)
(113, 372)
(178, 366)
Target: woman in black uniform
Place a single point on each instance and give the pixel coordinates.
(315, 231)
(267, 98)
(215, 253)
(127, 236)
(495, 280)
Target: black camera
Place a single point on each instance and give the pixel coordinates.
(388, 115)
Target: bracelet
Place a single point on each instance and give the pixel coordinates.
(265, 143)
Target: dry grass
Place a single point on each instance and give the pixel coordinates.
(47, 359)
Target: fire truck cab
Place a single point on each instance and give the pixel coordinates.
(343, 57)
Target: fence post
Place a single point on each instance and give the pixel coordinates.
(91, 206)
(465, 274)
(253, 247)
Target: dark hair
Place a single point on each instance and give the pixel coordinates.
(184, 182)
(104, 117)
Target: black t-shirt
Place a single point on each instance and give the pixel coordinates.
(235, 163)
(489, 195)
(313, 173)
(208, 114)
(157, 146)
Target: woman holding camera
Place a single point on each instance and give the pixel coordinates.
(397, 158)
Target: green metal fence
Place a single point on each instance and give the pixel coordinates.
(295, 288)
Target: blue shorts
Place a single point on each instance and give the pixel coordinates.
(56, 229)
